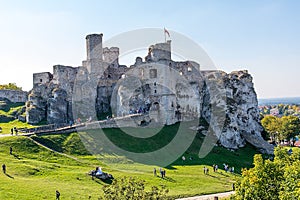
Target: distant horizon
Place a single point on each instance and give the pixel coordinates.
(276, 101)
(279, 97)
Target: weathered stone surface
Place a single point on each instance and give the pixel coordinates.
(165, 90)
(5, 118)
(57, 111)
(14, 95)
(22, 118)
(241, 108)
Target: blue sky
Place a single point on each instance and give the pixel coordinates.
(261, 36)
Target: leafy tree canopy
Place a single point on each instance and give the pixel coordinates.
(271, 179)
(10, 86)
(133, 189)
(279, 129)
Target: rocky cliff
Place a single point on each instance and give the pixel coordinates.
(240, 105)
(166, 91)
(228, 101)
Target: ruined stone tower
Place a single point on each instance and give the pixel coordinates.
(94, 50)
(165, 90)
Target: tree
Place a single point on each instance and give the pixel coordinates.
(280, 129)
(10, 86)
(277, 179)
(272, 125)
(132, 189)
(290, 126)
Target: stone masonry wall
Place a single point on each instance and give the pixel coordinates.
(164, 90)
(14, 95)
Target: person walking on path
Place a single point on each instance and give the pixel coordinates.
(10, 150)
(4, 168)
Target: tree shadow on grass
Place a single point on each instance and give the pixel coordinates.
(170, 167)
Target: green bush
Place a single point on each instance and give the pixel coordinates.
(133, 189)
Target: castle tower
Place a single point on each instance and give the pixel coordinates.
(111, 55)
(94, 46)
(94, 54)
(161, 51)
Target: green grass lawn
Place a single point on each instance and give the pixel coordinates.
(16, 123)
(35, 172)
(11, 110)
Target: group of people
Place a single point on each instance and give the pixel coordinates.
(228, 169)
(215, 167)
(205, 170)
(14, 129)
(161, 171)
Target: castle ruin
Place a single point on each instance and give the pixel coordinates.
(166, 91)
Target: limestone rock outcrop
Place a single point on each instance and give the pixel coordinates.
(240, 105)
(166, 91)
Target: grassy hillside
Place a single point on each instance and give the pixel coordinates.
(8, 114)
(15, 123)
(35, 172)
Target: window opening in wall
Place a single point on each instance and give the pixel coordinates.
(153, 73)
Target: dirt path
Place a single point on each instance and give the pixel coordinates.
(209, 196)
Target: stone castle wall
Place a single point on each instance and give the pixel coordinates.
(14, 95)
(42, 78)
(164, 90)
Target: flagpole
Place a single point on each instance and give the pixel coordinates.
(165, 34)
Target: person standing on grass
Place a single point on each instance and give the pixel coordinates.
(11, 131)
(57, 194)
(4, 168)
(154, 171)
(161, 172)
(10, 150)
